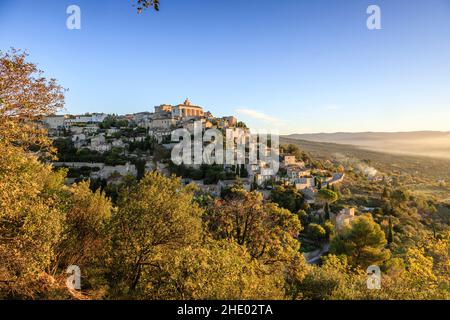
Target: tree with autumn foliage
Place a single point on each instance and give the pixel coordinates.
(269, 233)
(212, 270)
(26, 96)
(31, 222)
(86, 236)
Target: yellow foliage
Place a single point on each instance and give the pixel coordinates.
(30, 220)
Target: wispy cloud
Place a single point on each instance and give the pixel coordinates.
(333, 107)
(259, 116)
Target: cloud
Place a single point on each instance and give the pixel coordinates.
(333, 107)
(259, 116)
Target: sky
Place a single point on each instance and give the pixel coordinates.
(289, 66)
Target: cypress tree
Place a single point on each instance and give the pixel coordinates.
(327, 211)
(390, 237)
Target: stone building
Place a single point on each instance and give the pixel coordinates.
(55, 122)
(163, 109)
(344, 218)
(304, 183)
(186, 109)
(289, 160)
(165, 123)
(228, 121)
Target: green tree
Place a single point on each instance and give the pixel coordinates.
(291, 149)
(287, 197)
(327, 211)
(303, 217)
(386, 193)
(398, 197)
(154, 217)
(329, 228)
(390, 237)
(243, 173)
(327, 196)
(363, 242)
(316, 233)
(335, 279)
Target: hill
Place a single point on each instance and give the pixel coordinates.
(423, 143)
(419, 174)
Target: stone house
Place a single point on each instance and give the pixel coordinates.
(343, 218)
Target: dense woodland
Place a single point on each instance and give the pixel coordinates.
(161, 240)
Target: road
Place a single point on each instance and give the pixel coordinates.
(315, 256)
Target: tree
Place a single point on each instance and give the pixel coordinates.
(287, 197)
(329, 228)
(154, 217)
(266, 230)
(243, 173)
(319, 184)
(212, 270)
(385, 193)
(303, 217)
(327, 196)
(316, 233)
(398, 197)
(241, 125)
(26, 96)
(140, 167)
(296, 272)
(31, 222)
(327, 211)
(335, 279)
(86, 238)
(291, 149)
(363, 242)
(390, 238)
(145, 4)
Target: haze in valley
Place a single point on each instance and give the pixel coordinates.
(434, 144)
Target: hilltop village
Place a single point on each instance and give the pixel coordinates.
(109, 149)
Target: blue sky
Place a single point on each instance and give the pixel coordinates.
(288, 65)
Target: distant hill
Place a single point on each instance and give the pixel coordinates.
(423, 143)
(420, 166)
